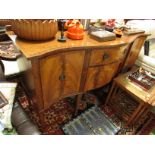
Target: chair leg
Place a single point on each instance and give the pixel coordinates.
(141, 113)
(134, 115)
(78, 101)
(111, 93)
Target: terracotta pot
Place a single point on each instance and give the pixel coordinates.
(35, 29)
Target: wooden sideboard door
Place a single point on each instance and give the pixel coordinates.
(100, 76)
(61, 75)
(73, 65)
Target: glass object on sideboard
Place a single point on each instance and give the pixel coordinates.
(85, 23)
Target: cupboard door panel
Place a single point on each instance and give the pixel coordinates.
(100, 76)
(73, 64)
(50, 70)
(61, 75)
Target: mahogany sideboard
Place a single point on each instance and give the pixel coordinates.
(57, 70)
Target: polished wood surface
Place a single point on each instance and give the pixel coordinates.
(134, 51)
(73, 71)
(50, 70)
(138, 93)
(99, 76)
(32, 49)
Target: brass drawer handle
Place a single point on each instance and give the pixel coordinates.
(62, 77)
(105, 56)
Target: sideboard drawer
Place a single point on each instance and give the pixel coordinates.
(106, 56)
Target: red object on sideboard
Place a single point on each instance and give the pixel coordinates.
(75, 30)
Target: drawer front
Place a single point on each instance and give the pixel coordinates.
(100, 76)
(106, 56)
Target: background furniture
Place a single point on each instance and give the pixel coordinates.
(148, 26)
(134, 50)
(122, 82)
(20, 120)
(22, 123)
(148, 63)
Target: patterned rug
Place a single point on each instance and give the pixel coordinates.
(149, 126)
(59, 113)
(62, 112)
(143, 127)
(120, 109)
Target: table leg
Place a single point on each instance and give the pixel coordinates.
(111, 93)
(148, 108)
(134, 115)
(78, 101)
(42, 120)
(144, 112)
(140, 114)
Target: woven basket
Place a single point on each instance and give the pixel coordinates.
(35, 29)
